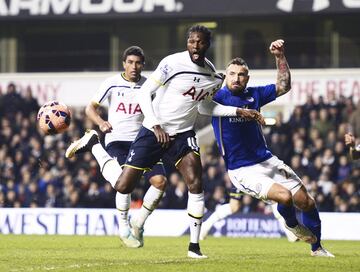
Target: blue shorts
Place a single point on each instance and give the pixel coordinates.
(120, 150)
(235, 193)
(145, 151)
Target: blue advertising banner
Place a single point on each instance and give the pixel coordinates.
(56, 221)
(247, 225)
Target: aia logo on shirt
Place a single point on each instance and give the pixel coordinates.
(128, 108)
(197, 96)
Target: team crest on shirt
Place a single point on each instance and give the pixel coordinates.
(258, 188)
(165, 69)
(132, 153)
(250, 99)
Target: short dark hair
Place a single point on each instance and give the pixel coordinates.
(136, 51)
(200, 29)
(238, 61)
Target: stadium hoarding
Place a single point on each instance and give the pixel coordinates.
(83, 221)
(109, 9)
(77, 89)
(57, 221)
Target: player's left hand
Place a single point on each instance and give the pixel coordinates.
(251, 115)
(277, 48)
(105, 127)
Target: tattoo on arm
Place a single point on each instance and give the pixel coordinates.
(283, 84)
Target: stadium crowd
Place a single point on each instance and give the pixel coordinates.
(35, 173)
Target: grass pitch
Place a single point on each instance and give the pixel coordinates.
(106, 253)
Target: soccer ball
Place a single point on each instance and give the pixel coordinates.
(53, 118)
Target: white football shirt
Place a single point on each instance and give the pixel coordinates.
(124, 113)
(184, 86)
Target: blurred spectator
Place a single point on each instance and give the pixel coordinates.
(355, 120)
(30, 103)
(12, 102)
(218, 198)
(323, 124)
(344, 169)
(299, 117)
(176, 195)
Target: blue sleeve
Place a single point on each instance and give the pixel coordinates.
(218, 97)
(266, 94)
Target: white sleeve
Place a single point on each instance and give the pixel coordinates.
(212, 108)
(103, 92)
(145, 101)
(164, 70)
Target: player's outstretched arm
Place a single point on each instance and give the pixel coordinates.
(250, 114)
(283, 83)
(94, 116)
(212, 108)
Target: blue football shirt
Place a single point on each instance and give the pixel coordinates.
(242, 142)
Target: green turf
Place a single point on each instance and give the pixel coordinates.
(91, 253)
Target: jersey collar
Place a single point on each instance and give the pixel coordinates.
(125, 78)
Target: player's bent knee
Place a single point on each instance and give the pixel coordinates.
(122, 188)
(280, 194)
(310, 204)
(306, 205)
(286, 197)
(304, 201)
(159, 182)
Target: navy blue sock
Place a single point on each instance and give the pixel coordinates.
(289, 214)
(312, 221)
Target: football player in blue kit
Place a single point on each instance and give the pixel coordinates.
(183, 85)
(251, 166)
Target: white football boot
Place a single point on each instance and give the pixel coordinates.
(321, 252)
(194, 252)
(303, 233)
(129, 240)
(85, 143)
(137, 232)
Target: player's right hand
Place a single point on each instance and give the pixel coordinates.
(162, 137)
(277, 48)
(249, 114)
(105, 127)
(349, 140)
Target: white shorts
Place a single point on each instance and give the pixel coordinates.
(257, 179)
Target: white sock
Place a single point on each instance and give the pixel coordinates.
(151, 200)
(289, 235)
(220, 213)
(109, 167)
(195, 210)
(122, 202)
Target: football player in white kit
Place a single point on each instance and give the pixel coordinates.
(124, 121)
(184, 84)
(251, 166)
